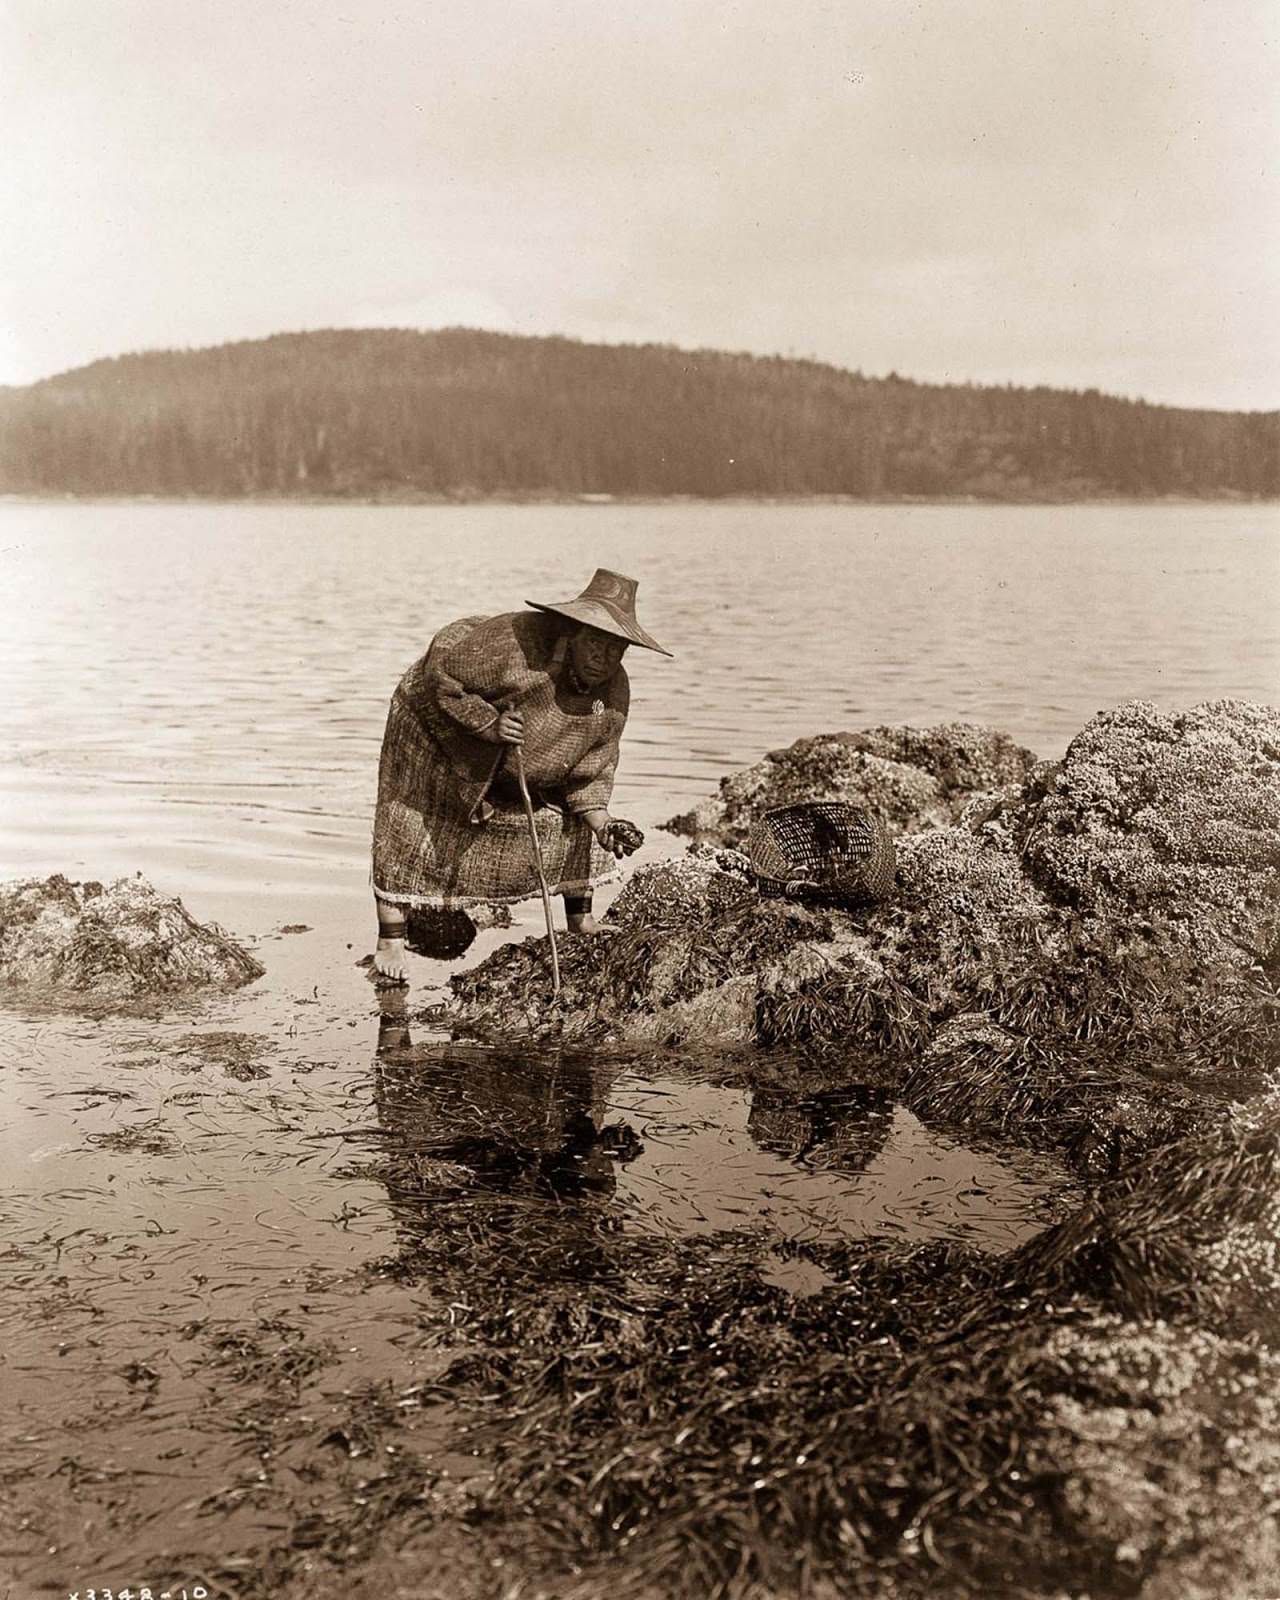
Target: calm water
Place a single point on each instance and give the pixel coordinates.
(198, 692)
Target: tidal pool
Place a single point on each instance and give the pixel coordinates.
(669, 1147)
(203, 1350)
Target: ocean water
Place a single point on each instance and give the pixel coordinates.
(197, 692)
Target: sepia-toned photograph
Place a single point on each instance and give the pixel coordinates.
(639, 800)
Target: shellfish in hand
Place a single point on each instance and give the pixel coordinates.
(623, 838)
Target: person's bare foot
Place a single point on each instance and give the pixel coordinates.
(586, 923)
(389, 962)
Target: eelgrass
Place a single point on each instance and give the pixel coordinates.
(1156, 1240)
(661, 1420)
(661, 1410)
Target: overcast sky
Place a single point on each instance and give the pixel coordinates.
(1032, 191)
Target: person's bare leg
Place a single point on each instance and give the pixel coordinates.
(389, 958)
(578, 917)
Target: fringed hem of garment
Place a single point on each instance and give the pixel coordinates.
(461, 902)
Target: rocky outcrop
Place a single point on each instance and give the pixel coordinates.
(1162, 822)
(1122, 904)
(1163, 1446)
(910, 777)
(1090, 955)
(116, 942)
(1159, 1432)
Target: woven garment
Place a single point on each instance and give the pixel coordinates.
(449, 829)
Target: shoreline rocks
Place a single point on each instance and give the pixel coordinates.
(912, 778)
(117, 942)
(1122, 906)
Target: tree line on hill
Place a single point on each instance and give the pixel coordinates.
(459, 413)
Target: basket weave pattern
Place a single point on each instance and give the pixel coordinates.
(824, 850)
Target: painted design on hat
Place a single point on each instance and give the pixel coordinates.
(608, 603)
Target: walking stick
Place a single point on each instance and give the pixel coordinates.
(542, 874)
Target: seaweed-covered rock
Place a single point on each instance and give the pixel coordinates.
(688, 933)
(117, 942)
(1163, 1446)
(1188, 1233)
(910, 777)
(1120, 907)
(1161, 1430)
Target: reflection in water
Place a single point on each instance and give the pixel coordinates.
(521, 1125)
(666, 1149)
(840, 1128)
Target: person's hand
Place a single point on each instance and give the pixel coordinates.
(511, 727)
(622, 838)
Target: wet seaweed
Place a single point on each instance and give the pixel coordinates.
(115, 941)
(660, 1412)
(1172, 1236)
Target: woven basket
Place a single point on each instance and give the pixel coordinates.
(822, 850)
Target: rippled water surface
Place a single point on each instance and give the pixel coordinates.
(190, 1206)
(198, 691)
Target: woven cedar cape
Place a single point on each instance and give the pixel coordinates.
(449, 829)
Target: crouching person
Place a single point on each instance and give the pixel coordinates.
(543, 690)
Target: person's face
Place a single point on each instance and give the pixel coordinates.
(596, 655)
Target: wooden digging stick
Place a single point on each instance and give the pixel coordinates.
(542, 873)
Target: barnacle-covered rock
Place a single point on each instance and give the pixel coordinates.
(910, 777)
(1162, 1446)
(695, 886)
(118, 942)
(964, 758)
(1173, 820)
(960, 892)
(1120, 905)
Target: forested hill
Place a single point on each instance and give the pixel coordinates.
(460, 413)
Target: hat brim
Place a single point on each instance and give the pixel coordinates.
(597, 615)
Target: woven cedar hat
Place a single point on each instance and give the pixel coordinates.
(609, 603)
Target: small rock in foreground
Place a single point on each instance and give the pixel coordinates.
(118, 942)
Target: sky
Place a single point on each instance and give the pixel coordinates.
(1063, 192)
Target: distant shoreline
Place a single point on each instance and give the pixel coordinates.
(593, 501)
(461, 417)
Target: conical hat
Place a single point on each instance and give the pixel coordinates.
(608, 603)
